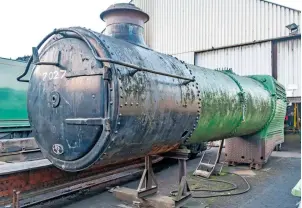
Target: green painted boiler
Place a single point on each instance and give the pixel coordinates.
(248, 111)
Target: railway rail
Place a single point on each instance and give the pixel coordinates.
(33, 185)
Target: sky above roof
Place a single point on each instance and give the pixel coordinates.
(25, 23)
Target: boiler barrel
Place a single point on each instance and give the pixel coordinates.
(230, 105)
(93, 97)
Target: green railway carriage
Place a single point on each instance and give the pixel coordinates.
(13, 97)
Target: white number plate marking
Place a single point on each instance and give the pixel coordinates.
(53, 75)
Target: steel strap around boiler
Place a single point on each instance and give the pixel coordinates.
(273, 100)
(243, 100)
(138, 68)
(273, 111)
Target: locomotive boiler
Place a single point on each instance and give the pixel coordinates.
(110, 98)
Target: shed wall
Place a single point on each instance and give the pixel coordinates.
(244, 60)
(186, 57)
(178, 26)
(289, 66)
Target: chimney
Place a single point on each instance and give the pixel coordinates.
(125, 21)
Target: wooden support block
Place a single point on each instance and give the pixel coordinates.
(16, 145)
(153, 201)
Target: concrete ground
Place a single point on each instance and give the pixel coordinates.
(270, 187)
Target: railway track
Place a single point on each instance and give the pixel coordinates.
(33, 186)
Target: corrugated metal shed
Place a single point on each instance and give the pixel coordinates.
(244, 60)
(186, 57)
(289, 66)
(178, 26)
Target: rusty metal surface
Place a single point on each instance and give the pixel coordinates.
(99, 183)
(147, 113)
(125, 21)
(120, 9)
(159, 109)
(31, 182)
(254, 151)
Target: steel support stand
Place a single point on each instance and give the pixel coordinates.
(146, 194)
(146, 187)
(183, 192)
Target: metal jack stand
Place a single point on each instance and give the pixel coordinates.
(147, 179)
(183, 192)
(146, 194)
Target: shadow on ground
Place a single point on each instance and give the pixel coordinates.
(270, 186)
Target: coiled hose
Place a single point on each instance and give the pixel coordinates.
(234, 186)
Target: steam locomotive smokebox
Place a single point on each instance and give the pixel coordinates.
(108, 97)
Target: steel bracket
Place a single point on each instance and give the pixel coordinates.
(95, 72)
(90, 122)
(107, 73)
(187, 82)
(37, 60)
